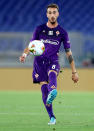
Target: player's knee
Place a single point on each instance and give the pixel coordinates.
(52, 71)
(52, 75)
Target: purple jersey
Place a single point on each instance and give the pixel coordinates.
(52, 39)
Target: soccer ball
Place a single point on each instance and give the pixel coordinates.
(36, 47)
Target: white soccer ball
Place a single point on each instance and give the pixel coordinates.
(36, 47)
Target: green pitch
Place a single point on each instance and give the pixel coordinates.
(24, 111)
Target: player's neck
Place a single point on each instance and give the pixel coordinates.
(52, 25)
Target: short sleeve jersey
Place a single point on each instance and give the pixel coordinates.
(52, 39)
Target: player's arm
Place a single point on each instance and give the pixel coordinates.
(72, 64)
(24, 55)
(26, 50)
(66, 44)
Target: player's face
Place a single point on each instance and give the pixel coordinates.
(52, 14)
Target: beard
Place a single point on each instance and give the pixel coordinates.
(52, 21)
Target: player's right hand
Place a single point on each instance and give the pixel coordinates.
(22, 59)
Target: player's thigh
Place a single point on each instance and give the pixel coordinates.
(54, 67)
(39, 74)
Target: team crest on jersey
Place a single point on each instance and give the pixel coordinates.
(44, 31)
(57, 33)
(50, 33)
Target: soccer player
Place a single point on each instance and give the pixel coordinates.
(46, 67)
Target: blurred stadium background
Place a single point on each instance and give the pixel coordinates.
(18, 19)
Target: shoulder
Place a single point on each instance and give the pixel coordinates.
(40, 27)
(62, 30)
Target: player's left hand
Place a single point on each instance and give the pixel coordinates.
(75, 77)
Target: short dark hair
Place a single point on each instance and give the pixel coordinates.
(53, 6)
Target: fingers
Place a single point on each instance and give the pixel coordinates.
(75, 80)
(22, 59)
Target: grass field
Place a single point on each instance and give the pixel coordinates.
(24, 111)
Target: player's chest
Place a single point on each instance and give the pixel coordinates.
(50, 34)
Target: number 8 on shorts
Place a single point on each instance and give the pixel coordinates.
(53, 66)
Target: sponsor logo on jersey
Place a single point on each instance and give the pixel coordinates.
(50, 32)
(49, 41)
